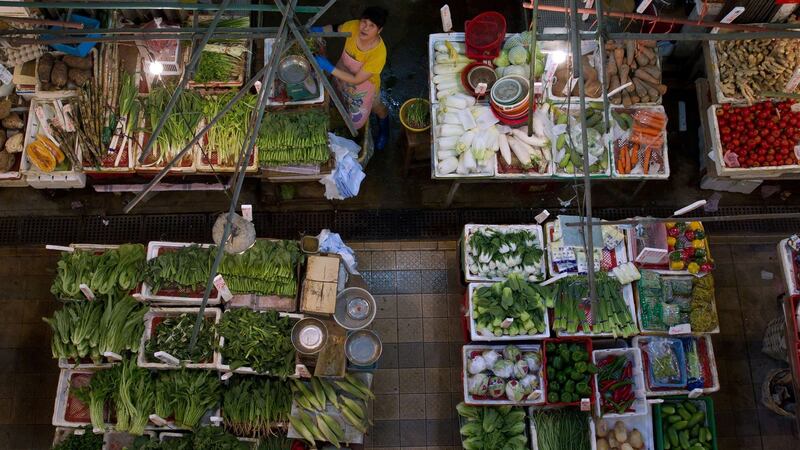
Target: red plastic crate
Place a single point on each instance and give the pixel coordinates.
(587, 342)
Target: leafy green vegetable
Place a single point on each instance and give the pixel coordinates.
(216, 66)
(205, 438)
(251, 406)
(294, 138)
(134, 399)
(611, 315)
(97, 394)
(173, 335)
(515, 298)
(179, 128)
(185, 268)
(558, 429)
(86, 441)
(493, 427)
(114, 270)
(496, 253)
(269, 267)
(229, 133)
(275, 443)
(260, 340)
(186, 395)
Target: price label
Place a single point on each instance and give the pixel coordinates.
(642, 6)
(791, 85)
(589, 4)
(87, 291)
(301, 371)
(157, 420)
(542, 216)
(447, 19)
(215, 419)
(59, 248)
(247, 212)
(166, 358)
(507, 323)
(226, 376)
(5, 75)
(730, 17)
(696, 392)
(481, 89)
(222, 287)
(138, 297)
(683, 328)
(113, 356)
(585, 404)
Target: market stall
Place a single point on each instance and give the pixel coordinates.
(139, 368)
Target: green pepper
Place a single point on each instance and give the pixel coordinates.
(569, 386)
(550, 347)
(553, 386)
(575, 348)
(581, 367)
(583, 388)
(566, 397)
(575, 375)
(561, 377)
(557, 363)
(551, 372)
(552, 397)
(564, 354)
(579, 356)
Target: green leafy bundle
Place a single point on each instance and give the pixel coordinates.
(259, 340)
(229, 133)
(611, 315)
(181, 125)
(496, 253)
(98, 393)
(135, 397)
(493, 427)
(186, 395)
(252, 406)
(107, 324)
(558, 429)
(514, 298)
(86, 441)
(216, 66)
(173, 335)
(275, 443)
(115, 270)
(186, 268)
(294, 138)
(267, 268)
(205, 438)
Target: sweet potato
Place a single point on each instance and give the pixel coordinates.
(44, 66)
(5, 109)
(59, 74)
(13, 122)
(79, 76)
(593, 89)
(645, 76)
(75, 62)
(6, 161)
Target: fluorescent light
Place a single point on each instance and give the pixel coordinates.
(155, 68)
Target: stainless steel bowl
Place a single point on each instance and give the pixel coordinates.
(363, 347)
(293, 69)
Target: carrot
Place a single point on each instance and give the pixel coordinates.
(634, 154)
(620, 163)
(647, 131)
(646, 163)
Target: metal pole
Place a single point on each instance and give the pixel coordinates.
(187, 75)
(254, 31)
(319, 14)
(144, 37)
(532, 81)
(577, 69)
(739, 218)
(247, 149)
(149, 5)
(57, 23)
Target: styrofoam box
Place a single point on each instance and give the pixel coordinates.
(752, 172)
(152, 251)
(662, 332)
(640, 404)
(208, 167)
(534, 436)
(627, 295)
(268, 43)
(473, 325)
(665, 149)
(643, 423)
(249, 370)
(712, 363)
(470, 228)
(142, 360)
(435, 148)
(57, 179)
(594, 58)
(62, 397)
(470, 400)
(573, 109)
(788, 267)
(620, 252)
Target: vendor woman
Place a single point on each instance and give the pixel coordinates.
(358, 72)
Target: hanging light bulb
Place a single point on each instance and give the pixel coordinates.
(559, 56)
(155, 68)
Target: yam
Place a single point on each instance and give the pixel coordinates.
(58, 76)
(75, 62)
(14, 143)
(2, 138)
(630, 50)
(589, 73)
(619, 55)
(5, 109)
(626, 99)
(645, 76)
(44, 66)
(13, 122)
(650, 54)
(641, 90)
(651, 90)
(593, 89)
(6, 161)
(653, 71)
(79, 76)
(611, 66)
(642, 60)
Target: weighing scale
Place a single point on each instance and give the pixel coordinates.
(295, 73)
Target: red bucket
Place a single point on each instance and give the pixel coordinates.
(484, 35)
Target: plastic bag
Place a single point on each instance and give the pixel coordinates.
(694, 372)
(341, 146)
(664, 363)
(642, 151)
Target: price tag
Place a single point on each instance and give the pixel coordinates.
(791, 85)
(5, 75)
(585, 404)
(730, 17)
(301, 371)
(642, 6)
(166, 358)
(550, 70)
(794, 242)
(507, 323)
(589, 4)
(683, 328)
(87, 291)
(542, 216)
(59, 248)
(569, 86)
(247, 212)
(138, 297)
(67, 113)
(447, 20)
(226, 376)
(157, 420)
(222, 287)
(480, 89)
(696, 392)
(215, 419)
(113, 356)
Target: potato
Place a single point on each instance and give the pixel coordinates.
(612, 441)
(602, 428)
(602, 444)
(6, 161)
(635, 439)
(620, 432)
(14, 143)
(59, 74)
(44, 66)
(75, 62)
(13, 122)
(79, 76)
(625, 446)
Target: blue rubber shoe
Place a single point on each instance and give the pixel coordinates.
(383, 133)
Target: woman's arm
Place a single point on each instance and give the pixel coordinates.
(347, 77)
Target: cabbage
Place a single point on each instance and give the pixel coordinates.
(514, 41)
(478, 384)
(503, 368)
(518, 55)
(522, 71)
(512, 353)
(514, 391)
(534, 360)
(520, 369)
(496, 387)
(501, 60)
(491, 357)
(477, 365)
(530, 383)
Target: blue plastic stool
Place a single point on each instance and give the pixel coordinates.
(83, 48)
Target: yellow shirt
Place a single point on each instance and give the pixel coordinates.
(373, 59)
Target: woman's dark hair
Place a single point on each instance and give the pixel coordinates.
(376, 15)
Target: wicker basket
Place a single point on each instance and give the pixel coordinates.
(777, 377)
(774, 343)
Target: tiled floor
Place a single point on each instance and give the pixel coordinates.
(418, 381)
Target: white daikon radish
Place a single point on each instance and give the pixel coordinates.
(446, 58)
(446, 77)
(470, 100)
(465, 141)
(456, 101)
(444, 154)
(466, 120)
(451, 117)
(448, 84)
(485, 118)
(520, 151)
(440, 46)
(533, 141)
(494, 142)
(447, 143)
(447, 166)
(469, 161)
(505, 150)
(462, 167)
(450, 130)
(448, 68)
(539, 120)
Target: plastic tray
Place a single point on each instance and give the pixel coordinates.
(707, 361)
(577, 340)
(643, 423)
(677, 348)
(471, 400)
(616, 257)
(559, 172)
(559, 97)
(61, 416)
(204, 166)
(664, 174)
(194, 298)
(476, 336)
(666, 332)
(787, 266)
(640, 404)
(249, 370)
(470, 228)
(435, 149)
(142, 360)
(702, 403)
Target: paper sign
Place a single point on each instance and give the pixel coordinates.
(643, 6)
(481, 89)
(447, 20)
(113, 356)
(222, 287)
(59, 248)
(87, 291)
(791, 85)
(589, 4)
(166, 358)
(542, 216)
(694, 393)
(247, 212)
(585, 404)
(157, 420)
(226, 376)
(683, 328)
(215, 419)
(730, 17)
(5, 75)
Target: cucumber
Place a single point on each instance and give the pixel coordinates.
(673, 419)
(697, 418)
(684, 413)
(684, 438)
(680, 425)
(668, 409)
(694, 432)
(689, 406)
(673, 437)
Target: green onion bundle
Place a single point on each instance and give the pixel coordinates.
(227, 136)
(267, 268)
(252, 406)
(294, 138)
(216, 66)
(186, 395)
(181, 125)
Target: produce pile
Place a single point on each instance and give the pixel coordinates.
(117, 270)
(222, 60)
(322, 411)
(466, 137)
(574, 314)
(173, 334)
(634, 62)
(527, 154)
(512, 375)
(179, 128)
(619, 437)
(568, 146)
(294, 138)
(254, 406)
(666, 301)
(497, 252)
(85, 441)
(515, 58)
(182, 269)
(703, 315)
(12, 136)
(639, 147)
(511, 308)
(267, 268)
(450, 61)
(684, 425)
(563, 74)
(186, 395)
(205, 438)
(53, 72)
(759, 135)
(616, 385)
(560, 429)
(492, 427)
(665, 362)
(91, 329)
(686, 243)
(224, 140)
(753, 68)
(258, 340)
(569, 372)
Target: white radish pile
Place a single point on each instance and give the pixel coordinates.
(467, 137)
(449, 62)
(532, 152)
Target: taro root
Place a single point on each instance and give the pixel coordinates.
(59, 74)
(45, 66)
(79, 76)
(6, 161)
(14, 143)
(13, 122)
(5, 109)
(75, 62)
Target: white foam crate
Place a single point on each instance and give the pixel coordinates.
(534, 436)
(559, 97)
(470, 228)
(142, 359)
(470, 400)
(712, 364)
(643, 423)
(147, 294)
(268, 43)
(666, 332)
(477, 336)
(627, 295)
(62, 398)
(299, 368)
(573, 109)
(640, 404)
(620, 252)
(650, 176)
(787, 266)
(739, 172)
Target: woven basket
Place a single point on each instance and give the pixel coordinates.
(774, 377)
(774, 343)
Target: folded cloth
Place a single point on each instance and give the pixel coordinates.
(345, 180)
(332, 243)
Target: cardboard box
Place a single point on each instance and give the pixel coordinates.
(318, 297)
(323, 268)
